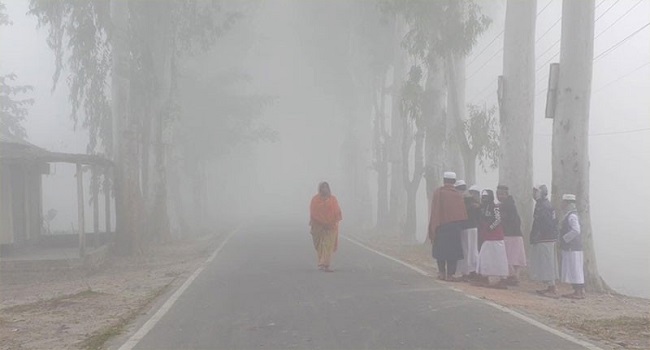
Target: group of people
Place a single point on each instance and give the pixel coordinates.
(477, 237)
(479, 240)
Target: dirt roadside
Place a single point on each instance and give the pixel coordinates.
(82, 310)
(613, 320)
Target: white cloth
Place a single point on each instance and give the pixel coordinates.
(572, 267)
(574, 224)
(543, 262)
(515, 250)
(469, 240)
(492, 259)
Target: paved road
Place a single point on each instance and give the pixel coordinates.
(263, 292)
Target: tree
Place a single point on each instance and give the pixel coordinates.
(571, 124)
(13, 110)
(437, 32)
(481, 141)
(412, 139)
(516, 106)
(134, 44)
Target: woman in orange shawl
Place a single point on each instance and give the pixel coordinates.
(325, 216)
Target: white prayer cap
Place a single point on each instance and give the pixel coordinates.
(474, 188)
(568, 197)
(449, 175)
(460, 183)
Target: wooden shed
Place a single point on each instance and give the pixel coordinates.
(22, 166)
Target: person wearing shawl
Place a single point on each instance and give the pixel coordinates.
(514, 239)
(543, 237)
(448, 218)
(492, 258)
(571, 245)
(325, 215)
(467, 266)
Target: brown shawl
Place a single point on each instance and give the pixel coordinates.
(447, 206)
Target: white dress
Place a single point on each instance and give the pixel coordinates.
(469, 240)
(492, 259)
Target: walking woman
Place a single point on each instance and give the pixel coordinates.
(325, 217)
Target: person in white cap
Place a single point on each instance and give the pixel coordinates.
(468, 237)
(448, 216)
(543, 238)
(571, 245)
(492, 258)
(513, 236)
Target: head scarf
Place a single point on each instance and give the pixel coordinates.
(543, 191)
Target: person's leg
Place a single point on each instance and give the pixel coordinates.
(442, 270)
(451, 267)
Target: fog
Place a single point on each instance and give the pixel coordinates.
(276, 45)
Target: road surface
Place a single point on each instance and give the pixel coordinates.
(263, 291)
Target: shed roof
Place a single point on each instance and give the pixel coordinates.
(17, 149)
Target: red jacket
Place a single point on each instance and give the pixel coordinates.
(489, 226)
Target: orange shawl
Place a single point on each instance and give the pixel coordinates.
(447, 206)
(325, 211)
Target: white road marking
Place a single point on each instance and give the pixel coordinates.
(412, 267)
(494, 305)
(142, 332)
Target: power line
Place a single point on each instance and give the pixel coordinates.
(620, 132)
(548, 30)
(605, 12)
(621, 77)
(485, 48)
(618, 19)
(615, 46)
(484, 64)
(549, 48)
(600, 3)
(610, 132)
(542, 10)
(547, 62)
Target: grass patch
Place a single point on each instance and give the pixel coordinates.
(99, 338)
(62, 300)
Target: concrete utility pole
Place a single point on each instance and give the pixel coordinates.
(516, 107)
(571, 123)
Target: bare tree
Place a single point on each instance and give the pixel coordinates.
(571, 123)
(516, 106)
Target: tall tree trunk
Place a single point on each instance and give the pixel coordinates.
(157, 221)
(412, 183)
(381, 140)
(455, 74)
(435, 120)
(128, 197)
(397, 194)
(470, 168)
(517, 107)
(571, 123)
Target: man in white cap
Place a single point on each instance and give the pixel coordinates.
(571, 245)
(469, 236)
(543, 237)
(448, 216)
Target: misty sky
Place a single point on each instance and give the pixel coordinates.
(619, 121)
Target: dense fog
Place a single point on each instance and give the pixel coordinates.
(281, 75)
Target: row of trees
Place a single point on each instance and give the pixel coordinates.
(125, 66)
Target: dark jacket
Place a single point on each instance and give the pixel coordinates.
(510, 218)
(544, 223)
(574, 245)
(473, 212)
